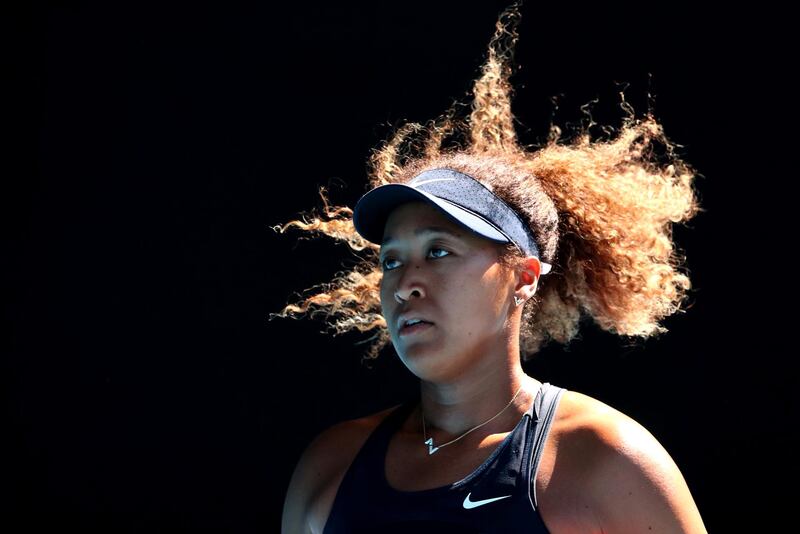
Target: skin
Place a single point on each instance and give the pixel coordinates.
(468, 363)
(600, 471)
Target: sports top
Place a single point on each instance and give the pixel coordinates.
(497, 497)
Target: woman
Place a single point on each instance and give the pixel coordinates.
(477, 257)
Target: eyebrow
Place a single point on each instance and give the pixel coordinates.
(426, 230)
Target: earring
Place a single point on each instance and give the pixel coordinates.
(518, 300)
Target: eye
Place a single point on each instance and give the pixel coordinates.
(388, 259)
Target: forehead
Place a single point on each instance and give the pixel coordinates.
(409, 218)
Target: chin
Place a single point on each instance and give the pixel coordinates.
(425, 359)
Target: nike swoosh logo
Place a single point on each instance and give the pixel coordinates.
(474, 504)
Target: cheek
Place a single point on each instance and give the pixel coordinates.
(489, 296)
(472, 302)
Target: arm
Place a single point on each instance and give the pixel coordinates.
(635, 485)
(296, 506)
(319, 471)
(311, 474)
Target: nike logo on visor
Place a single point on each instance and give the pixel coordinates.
(474, 504)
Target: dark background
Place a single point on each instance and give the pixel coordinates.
(144, 389)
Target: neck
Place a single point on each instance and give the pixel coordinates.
(450, 409)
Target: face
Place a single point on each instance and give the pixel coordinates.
(453, 281)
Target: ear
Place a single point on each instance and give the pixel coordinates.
(528, 278)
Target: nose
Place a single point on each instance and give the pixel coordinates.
(402, 296)
(409, 285)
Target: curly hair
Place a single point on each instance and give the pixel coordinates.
(601, 212)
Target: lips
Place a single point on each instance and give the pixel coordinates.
(408, 316)
(415, 329)
(421, 322)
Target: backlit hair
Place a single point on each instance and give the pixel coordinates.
(601, 211)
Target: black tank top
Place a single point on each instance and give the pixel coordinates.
(498, 497)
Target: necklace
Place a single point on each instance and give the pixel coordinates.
(429, 441)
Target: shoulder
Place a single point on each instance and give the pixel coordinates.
(319, 470)
(616, 472)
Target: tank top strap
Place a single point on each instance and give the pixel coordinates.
(394, 420)
(373, 450)
(544, 410)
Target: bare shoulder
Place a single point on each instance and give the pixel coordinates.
(611, 473)
(319, 472)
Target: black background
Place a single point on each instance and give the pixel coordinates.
(144, 389)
